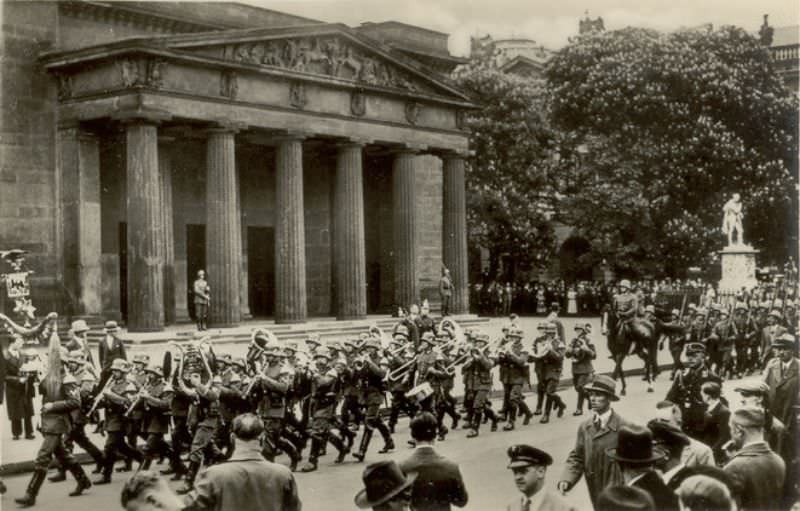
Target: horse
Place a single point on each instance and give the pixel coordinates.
(646, 335)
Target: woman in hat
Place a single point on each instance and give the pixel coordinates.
(386, 488)
(60, 396)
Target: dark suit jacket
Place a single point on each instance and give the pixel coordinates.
(758, 474)
(716, 430)
(107, 356)
(438, 485)
(663, 497)
(783, 388)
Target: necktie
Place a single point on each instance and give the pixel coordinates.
(526, 505)
(597, 423)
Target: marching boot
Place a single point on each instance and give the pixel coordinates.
(560, 404)
(456, 418)
(311, 464)
(539, 400)
(290, 451)
(442, 432)
(348, 436)
(60, 475)
(362, 448)
(512, 417)
(98, 468)
(523, 407)
(80, 476)
(105, 478)
(128, 465)
(33, 488)
(339, 444)
(388, 443)
(191, 474)
(489, 413)
(475, 426)
(547, 407)
(146, 464)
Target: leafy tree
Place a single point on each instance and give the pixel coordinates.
(509, 175)
(672, 125)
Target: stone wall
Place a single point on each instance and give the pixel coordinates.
(27, 150)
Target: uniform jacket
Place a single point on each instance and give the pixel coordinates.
(758, 473)
(685, 392)
(663, 497)
(552, 362)
(439, 483)
(200, 292)
(19, 394)
(107, 356)
(588, 457)
(246, 482)
(550, 502)
(479, 373)
(516, 365)
(582, 352)
(783, 388)
(716, 431)
(445, 286)
(57, 420)
(273, 397)
(116, 406)
(156, 410)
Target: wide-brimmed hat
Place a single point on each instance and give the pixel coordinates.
(785, 341)
(634, 446)
(120, 365)
(111, 326)
(78, 326)
(604, 384)
(382, 481)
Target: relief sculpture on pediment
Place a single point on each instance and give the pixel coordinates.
(327, 56)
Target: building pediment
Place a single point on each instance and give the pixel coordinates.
(330, 53)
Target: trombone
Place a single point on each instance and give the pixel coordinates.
(400, 372)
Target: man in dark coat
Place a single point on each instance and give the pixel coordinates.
(595, 435)
(18, 390)
(782, 376)
(756, 470)
(635, 456)
(439, 483)
(109, 349)
(716, 431)
(685, 390)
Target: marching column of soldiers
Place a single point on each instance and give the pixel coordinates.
(309, 396)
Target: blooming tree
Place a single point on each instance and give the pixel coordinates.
(672, 125)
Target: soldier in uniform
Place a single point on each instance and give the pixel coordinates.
(60, 396)
(370, 371)
(399, 387)
(550, 351)
(271, 391)
(202, 300)
(135, 418)
(181, 435)
(582, 352)
(324, 392)
(155, 399)
(743, 332)
(230, 402)
(722, 338)
(116, 404)
(517, 375)
(425, 322)
(505, 368)
(86, 381)
(676, 331)
(626, 307)
(204, 416)
(479, 373)
(538, 366)
(685, 390)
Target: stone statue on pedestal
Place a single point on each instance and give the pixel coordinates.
(732, 220)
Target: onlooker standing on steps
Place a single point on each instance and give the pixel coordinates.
(445, 291)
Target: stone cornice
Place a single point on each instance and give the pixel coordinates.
(126, 15)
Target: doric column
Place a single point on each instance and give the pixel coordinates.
(290, 237)
(165, 178)
(78, 231)
(145, 228)
(454, 231)
(405, 228)
(223, 228)
(350, 255)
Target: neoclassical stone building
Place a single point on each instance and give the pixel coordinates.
(312, 169)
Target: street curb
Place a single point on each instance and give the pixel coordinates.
(83, 458)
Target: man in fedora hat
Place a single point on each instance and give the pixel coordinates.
(596, 434)
(755, 468)
(386, 488)
(671, 441)
(110, 349)
(636, 457)
(782, 376)
(624, 498)
(529, 466)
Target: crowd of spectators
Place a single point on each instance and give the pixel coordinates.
(589, 298)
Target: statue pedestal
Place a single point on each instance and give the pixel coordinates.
(738, 268)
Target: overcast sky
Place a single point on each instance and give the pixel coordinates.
(548, 22)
